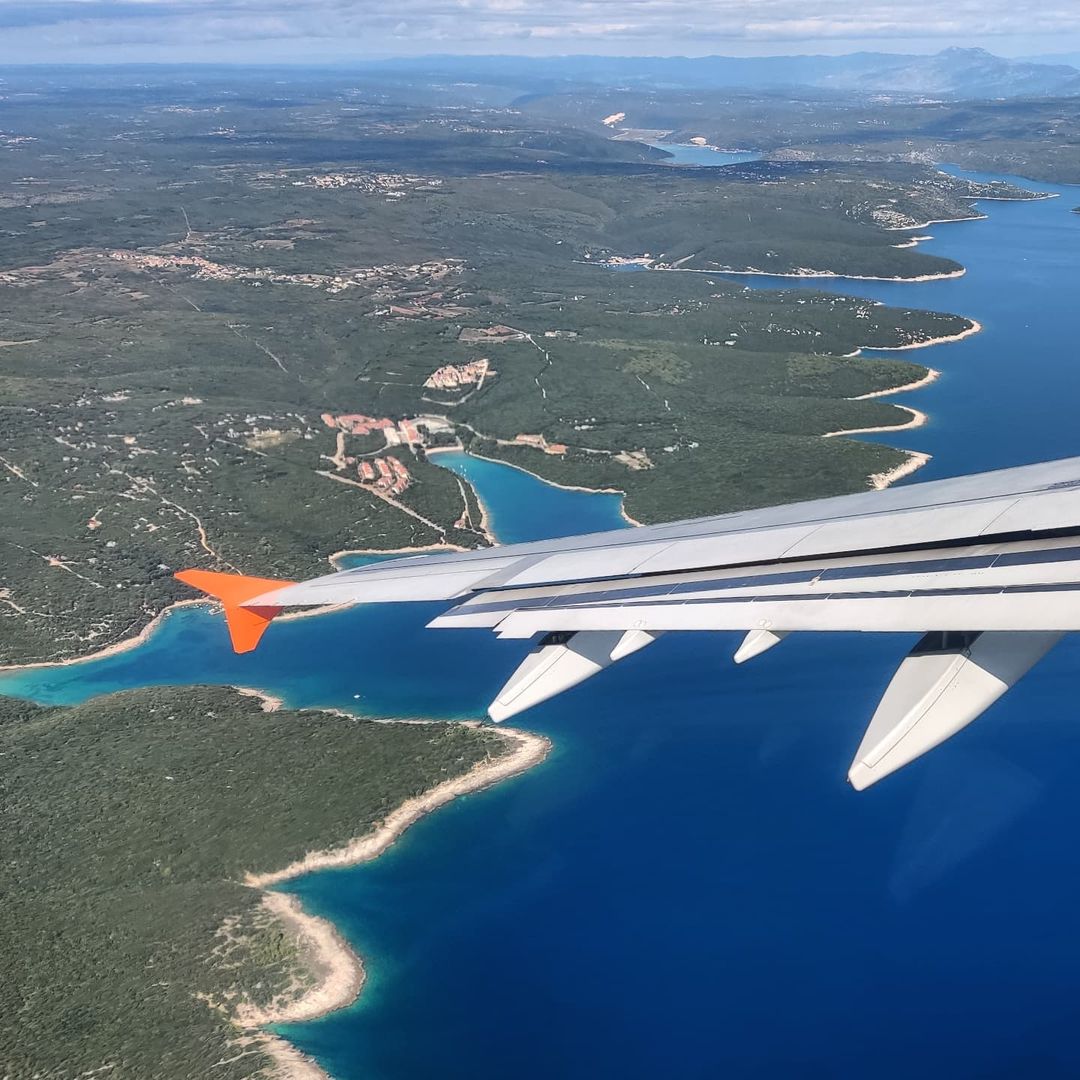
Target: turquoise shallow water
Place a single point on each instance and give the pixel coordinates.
(688, 887)
(686, 154)
(521, 508)
(341, 659)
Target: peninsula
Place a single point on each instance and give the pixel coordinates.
(145, 830)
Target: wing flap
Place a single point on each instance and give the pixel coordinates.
(1037, 610)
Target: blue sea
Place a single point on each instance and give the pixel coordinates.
(687, 887)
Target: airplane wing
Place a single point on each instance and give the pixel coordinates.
(987, 567)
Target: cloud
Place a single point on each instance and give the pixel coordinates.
(654, 26)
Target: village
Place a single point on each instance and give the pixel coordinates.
(454, 377)
(209, 270)
(386, 474)
(390, 185)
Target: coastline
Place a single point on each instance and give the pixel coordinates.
(1035, 196)
(932, 375)
(915, 461)
(944, 220)
(109, 650)
(141, 637)
(339, 970)
(644, 262)
(149, 629)
(811, 274)
(564, 487)
(485, 516)
(974, 328)
(344, 972)
(528, 750)
(417, 550)
(918, 418)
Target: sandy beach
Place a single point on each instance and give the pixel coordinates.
(917, 420)
(918, 384)
(810, 274)
(915, 461)
(527, 750)
(974, 328)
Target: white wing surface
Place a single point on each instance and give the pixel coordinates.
(987, 566)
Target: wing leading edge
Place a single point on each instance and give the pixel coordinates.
(986, 566)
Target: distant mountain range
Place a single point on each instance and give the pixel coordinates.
(1071, 59)
(952, 73)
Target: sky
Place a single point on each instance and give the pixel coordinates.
(272, 31)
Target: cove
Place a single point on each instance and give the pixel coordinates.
(704, 156)
(379, 660)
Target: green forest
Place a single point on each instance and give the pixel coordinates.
(130, 822)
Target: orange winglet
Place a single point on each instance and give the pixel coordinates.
(246, 624)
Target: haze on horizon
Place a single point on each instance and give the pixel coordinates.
(331, 31)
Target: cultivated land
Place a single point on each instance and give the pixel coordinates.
(196, 287)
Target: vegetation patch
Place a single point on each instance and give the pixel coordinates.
(130, 823)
